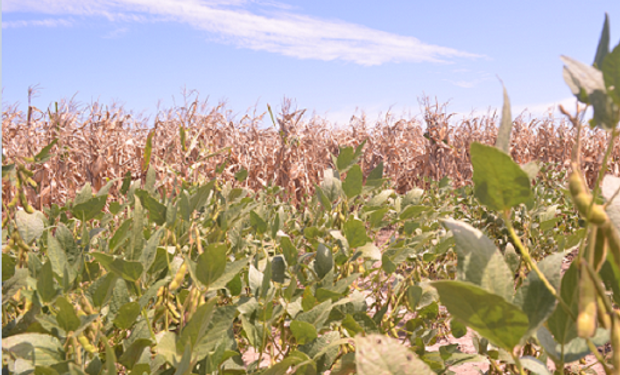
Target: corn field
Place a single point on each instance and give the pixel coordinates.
(96, 145)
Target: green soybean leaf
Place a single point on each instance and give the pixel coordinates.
(47, 350)
(199, 199)
(377, 354)
(499, 182)
(149, 181)
(127, 315)
(533, 297)
(157, 211)
(413, 297)
(324, 261)
(211, 264)
(231, 270)
(375, 178)
(457, 328)
(241, 175)
(352, 185)
(149, 253)
(534, 365)
(347, 158)
(318, 315)
(132, 354)
(110, 359)
(46, 284)
(278, 268)
(611, 74)
(355, 233)
(505, 128)
(603, 45)
(413, 211)
(8, 266)
(303, 331)
(101, 290)
(560, 323)
(88, 210)
(29, 226)
(501, 322)
(323, 199)
(479, 261)
(56, 255)
(128, 270)
(289, 250)
(66, 317)
(257, 222)
(136, 239)
(121, 234)
(197, 326)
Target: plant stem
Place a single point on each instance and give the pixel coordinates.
(528, 259)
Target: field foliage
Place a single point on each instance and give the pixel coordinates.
(201, 246)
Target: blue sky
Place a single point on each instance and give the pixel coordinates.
(331, 57)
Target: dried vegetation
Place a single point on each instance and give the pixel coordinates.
(97, 144)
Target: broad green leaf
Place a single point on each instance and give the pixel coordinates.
(413, 211)
(352, 185)
(534, 365)
(230, 272)
(603, 45)
(499, 182)
(127, 315)
(375, 178)
(132, 354)
(218, 331)
(89, 209)
(157, 211)
(149, 253)
(413, 296)
(101, 290)
(56, 255)
(136, 239)
(266, 283)
(47, 350)
(457, 328)
(66, 317)
(211, 264)
(278, 269)
(370, 251)
(324, 261)
(512, 258)
(376, 354)
(289, 250)
(29, 226)
(380, 198)
(534, 298)
(199, 199)
(241, 175)
(573, 350)
(331, 186)
(84, 194)
(303, 331)
(501, 322)
(46, 284)
(121, 234)
(560, 323)
(15, 283)
(611, 74)
(505, 128)
(110, 359)
(316, 316)
(149, 181)
(257, 222)
(128, 270)
(605, 110)
(323, 199)
(8, 266)
(126, 183)
(355, 233)
(293, 359)
(479, 261)
(347, 158)
(585, 76)
(197, 326)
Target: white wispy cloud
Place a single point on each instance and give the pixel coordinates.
(278, 31)
(49, 22)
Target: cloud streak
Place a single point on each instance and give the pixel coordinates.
(49, 22)
(273, 28)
